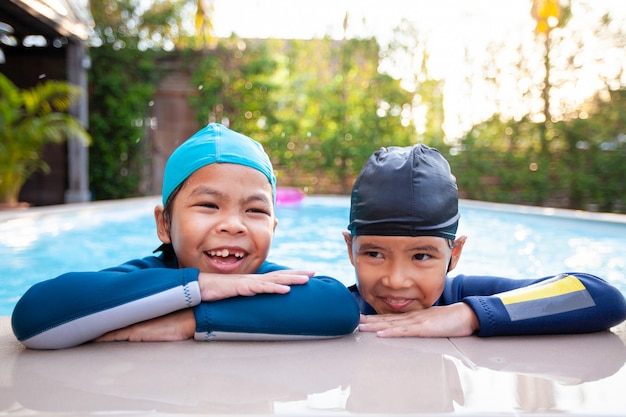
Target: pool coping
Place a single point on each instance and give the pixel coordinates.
(9, 214)
(546, 211)
(358, 375)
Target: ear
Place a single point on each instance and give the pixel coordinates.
(347, 237)
(162, 225)
(456, 252)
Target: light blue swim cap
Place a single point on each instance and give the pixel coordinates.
(214, 144)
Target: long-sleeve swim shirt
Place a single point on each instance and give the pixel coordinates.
(565, 303)
(80, 306)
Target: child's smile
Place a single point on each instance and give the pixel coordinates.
(225, 253)
(397, 304)
(222, 220)
(398, 274)
(226, 260)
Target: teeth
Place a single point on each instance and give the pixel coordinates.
(396, 300)
(225, 252)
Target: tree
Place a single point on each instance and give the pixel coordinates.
(336, 110)
(124, 82)
(549, 15)
(596, 148)
(29, 119)
(138, 24)
(408, 51)
(236, 87)
(129, 39)
(319, 107)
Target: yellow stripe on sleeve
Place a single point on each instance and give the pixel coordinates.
(560, 285)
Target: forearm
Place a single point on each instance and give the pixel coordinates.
(321, 308)
(78, 307)
(577, 303)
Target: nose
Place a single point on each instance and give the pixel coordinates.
(396, 276)
(231, 222)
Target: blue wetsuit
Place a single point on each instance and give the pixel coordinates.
(565, 303)
(80, 306)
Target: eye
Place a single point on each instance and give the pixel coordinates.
(421, 257)
(373, 254)
(208, 204)
(259, 210)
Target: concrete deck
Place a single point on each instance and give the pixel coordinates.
(355, 375)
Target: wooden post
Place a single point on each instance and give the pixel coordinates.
(78, 153)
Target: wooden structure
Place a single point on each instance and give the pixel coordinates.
(45, 39)
(171, 123)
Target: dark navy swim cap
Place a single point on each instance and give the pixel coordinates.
(405, 191)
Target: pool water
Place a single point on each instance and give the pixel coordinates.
(502, 240)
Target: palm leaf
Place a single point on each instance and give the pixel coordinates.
(29, 119)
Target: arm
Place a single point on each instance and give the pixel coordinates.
(566, 303)
(180, 325)
(78, 307)
(129, 302)
(494, 306)
(321, 308)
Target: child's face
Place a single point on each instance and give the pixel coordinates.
(222, 220)
(398, 274)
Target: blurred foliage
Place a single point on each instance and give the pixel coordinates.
(562, 153)
(122, 82)
(30, 119)
(235, 87)
(321, 107)
(406, 57)
(500, 161)
(138, 24)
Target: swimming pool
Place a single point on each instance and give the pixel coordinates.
(503, 240)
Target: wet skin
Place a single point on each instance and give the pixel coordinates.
(222, 223)
(401, 277)
(222, 220)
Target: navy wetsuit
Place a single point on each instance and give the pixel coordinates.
(78, 307)
(565, 303)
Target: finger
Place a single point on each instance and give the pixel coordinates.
(385, 318)
(254, 287)
(284, 278)
(114, 336)
(390, 321)
(391, 329)
(375, 327)
(400, 331)
(294, 272)
(273, 287)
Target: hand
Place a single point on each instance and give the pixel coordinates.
(219, 286)
(180, 325)
(439, 321)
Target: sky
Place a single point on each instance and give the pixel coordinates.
(305, 19)
(449, 26)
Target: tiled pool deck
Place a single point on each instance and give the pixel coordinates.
(582, 375)
(354, 375)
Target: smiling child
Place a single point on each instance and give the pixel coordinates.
(212, 279)
(402, 243)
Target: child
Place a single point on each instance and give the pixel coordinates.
(216, 225)
(402, 242)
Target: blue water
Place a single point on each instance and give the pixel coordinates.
(42, 244)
